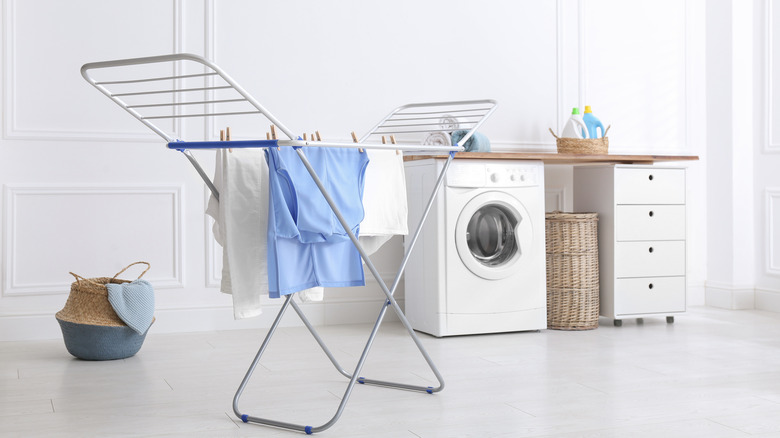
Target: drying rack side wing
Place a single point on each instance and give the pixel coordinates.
(173, 87)
(412, 122)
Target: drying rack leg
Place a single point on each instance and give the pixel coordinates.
(391, 302)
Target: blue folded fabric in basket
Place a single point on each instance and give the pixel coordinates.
(134, 303)
(477, 143)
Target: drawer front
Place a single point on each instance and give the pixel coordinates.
(649, 186)
(649, 295)
(649, 259)
(650, 222)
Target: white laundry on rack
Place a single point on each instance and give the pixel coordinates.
(384, 200)
(240, 227)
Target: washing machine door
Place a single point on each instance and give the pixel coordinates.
(492, 234)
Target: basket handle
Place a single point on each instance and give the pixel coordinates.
(551, 132)
(148, 266)
(79, 278)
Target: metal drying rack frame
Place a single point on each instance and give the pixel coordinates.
(143, 102)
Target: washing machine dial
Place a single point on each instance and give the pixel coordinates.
(495, 177)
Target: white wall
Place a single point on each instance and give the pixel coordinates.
(743, 155)
(766, 146)
(87, 189)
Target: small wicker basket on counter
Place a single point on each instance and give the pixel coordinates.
(572, 271)
(593, 146)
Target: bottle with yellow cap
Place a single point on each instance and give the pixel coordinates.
(592, 123)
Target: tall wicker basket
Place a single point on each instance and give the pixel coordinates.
(572, 271)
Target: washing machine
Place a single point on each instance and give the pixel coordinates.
(479, 264)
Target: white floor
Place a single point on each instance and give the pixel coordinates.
(713, 373)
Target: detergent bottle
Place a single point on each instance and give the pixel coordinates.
(592, 123)
(575, 127)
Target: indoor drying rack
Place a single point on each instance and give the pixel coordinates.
(161, 91)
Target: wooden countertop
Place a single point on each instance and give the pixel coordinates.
(555, 158)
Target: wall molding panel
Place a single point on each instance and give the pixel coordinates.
(771, 145)
(16, 129)
(53, 229)
(773, 231)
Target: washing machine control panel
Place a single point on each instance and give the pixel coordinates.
(492, 175)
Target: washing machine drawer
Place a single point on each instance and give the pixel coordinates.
(649, 259)
(635, 296)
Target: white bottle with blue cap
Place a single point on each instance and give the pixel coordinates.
(592, 123)
(575, 127)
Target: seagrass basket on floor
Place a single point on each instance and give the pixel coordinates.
(91, 328)
(572, 271)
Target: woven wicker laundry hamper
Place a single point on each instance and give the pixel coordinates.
(572, 271)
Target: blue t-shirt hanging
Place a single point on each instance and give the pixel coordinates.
(307, 246)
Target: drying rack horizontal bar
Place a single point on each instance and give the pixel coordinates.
(441, 112)
(179, 90)
(238, 144)
(200, 102)
(181, 116)
(385, 131)
(165, 78)
(411, 125)
(438, 119)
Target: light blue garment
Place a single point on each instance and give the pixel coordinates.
(307, 246)
(477, 143)
(134, 303)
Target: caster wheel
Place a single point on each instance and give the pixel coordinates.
(618, 322)
(670, 319)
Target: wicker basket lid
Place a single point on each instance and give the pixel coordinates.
(88, 300)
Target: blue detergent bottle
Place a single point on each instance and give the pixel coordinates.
(592, 123)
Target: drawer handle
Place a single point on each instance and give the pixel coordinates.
(650, 286)
(650, 177)
(651, 249)
(651, 213)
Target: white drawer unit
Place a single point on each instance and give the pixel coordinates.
(641, 237)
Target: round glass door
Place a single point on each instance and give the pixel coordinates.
(492, 233)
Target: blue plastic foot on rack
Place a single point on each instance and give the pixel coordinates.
(308, 430)
(245, 418)
(361, 380)
(429, 390)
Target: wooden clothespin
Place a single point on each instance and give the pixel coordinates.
(304, 137)
(318, 136)
(354, 138)
(221, 135)
(273, 136)
(392, 140)
(383, 140)
(227, 138)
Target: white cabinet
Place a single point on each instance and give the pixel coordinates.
(641, 237)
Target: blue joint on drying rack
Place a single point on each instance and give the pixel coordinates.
(245, 418)
(361, 380)
(429, 390)
(298, 147)
(452, 153)
(307, 429)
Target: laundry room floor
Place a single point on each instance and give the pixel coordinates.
(713, 373)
